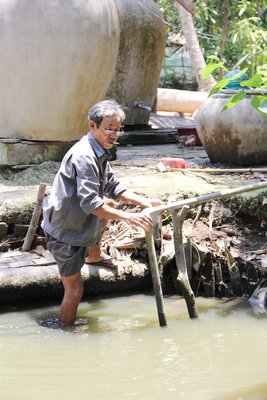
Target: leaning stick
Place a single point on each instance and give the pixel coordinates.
(35, 218)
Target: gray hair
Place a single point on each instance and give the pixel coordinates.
(105, 108)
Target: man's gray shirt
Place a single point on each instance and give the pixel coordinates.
(83, 179)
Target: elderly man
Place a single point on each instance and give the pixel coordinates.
(76, 209)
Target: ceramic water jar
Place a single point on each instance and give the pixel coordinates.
(140, 58)
(236, 136)
(57, 59)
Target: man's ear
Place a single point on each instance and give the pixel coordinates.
(91, 124)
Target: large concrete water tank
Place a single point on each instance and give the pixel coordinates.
(140, 57)
(57, 59)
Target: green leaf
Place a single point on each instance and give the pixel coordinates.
(263, 107)
(260, 104)
(238, 75)
(234, 100)
(220, 85)
(255, 81)
(240, 61)
(210, 68)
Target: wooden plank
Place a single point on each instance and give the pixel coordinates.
(19, 264)
(44, 261)
(26, 256)
(6, 260)
(10, 254)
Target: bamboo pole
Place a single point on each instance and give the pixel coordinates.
(183, 280)
(35, 218)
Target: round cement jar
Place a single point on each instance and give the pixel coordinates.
(141, 53)
(57, 60)
(236, 136)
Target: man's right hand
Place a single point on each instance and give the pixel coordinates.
(140, 219)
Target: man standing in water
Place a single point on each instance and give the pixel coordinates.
(75, 211)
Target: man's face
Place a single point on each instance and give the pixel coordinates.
(107, 132)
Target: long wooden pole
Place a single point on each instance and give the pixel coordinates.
(218, 170)
(204, 198)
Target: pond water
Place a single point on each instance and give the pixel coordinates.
(117, 350)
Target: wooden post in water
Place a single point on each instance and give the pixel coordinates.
(155, 278)
(183, 280)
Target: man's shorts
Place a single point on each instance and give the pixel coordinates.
(70, 259)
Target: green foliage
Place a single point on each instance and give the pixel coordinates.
(171, 14)
(234, 100)
(260, 104)
(257, 81)
(253, 38)
(210, 68)
(246, 30)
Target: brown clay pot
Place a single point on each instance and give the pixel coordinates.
(236, 136)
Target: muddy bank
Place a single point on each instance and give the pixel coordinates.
(225, 249)
(228, 236)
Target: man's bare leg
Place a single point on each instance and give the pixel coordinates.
(73, 287)
(95, 253)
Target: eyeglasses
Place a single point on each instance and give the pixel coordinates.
(111, 132)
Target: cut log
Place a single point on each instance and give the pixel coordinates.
(181, 101)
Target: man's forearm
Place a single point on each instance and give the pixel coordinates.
(107, 212)
(130, 197)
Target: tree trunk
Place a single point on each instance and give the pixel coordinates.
(188, 5)
(224, 31)
(196, 56)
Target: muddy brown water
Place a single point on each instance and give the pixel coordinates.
(116, 350)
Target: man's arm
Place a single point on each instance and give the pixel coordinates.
(128, 196)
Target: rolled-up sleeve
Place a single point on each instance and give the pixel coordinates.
(113, 186)
(88, 185)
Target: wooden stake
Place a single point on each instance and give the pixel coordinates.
(183, 281)
(35, 218)
(155, 278)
